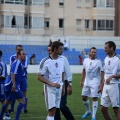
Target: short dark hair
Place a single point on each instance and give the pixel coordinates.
(18, 46)
(56, 45)
(111, 44)
(1, 53)
(92, 48)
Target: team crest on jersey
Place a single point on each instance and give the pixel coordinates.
(56, 64)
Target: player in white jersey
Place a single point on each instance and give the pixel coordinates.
(111, 83)
(90, 81)
(51, 73)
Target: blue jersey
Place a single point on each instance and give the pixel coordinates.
(3, 71)
(24, 63)
(18, 70)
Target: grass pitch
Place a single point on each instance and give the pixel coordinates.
(36, 104)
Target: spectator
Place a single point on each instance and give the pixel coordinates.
(65, 45)
(50, 42)
(80, 59)
(33, 59)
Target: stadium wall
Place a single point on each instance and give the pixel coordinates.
(77, 42)
(34, 68)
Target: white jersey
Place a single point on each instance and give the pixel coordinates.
(112, 67)
(52, 69)
(67, 70)
(93, 69)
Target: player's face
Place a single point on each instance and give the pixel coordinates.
(49, 50)
(60, 50)
(108, 50)
(92, 53)
(22, 56)
(19, 49)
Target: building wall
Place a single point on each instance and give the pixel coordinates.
(77, 16)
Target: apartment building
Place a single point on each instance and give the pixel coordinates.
(117, 18)
(57, 17)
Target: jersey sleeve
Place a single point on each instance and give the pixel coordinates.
(4, 71)
(42, 68)
(67, 70)
(14, 67)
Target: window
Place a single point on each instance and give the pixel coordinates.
(95, 3)
(109, 24)
(61, 2)
(37, 22)
(78, 24)
(79, 3)
(46, 22)
(8, 21)
(87, 22)
(103, 24)
(47, 3)
(14, 1)
(100, 3)
(109, 3)
(61, 23)
(26, 21)
(36, 2)
(87, 3)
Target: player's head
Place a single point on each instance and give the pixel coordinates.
(93, 52)
(19, 48)
(21, 55)
(0, 53)
(49, 49)
(57, 47)
(110, 47)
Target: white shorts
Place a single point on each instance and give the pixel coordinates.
(90, 91)
(111, 95)
(52, 96)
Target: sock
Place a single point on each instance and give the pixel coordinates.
(87, 105)
(4, 107)
(50, 118)
(12, 104)
(19, 108)
(26, 101)
(94, 107)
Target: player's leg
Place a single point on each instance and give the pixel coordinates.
(63, 105)
(19, 96)
(114, 94)
(23, 87)
(5, 105)
(11, 110)
(85, 94)
(94, 95)
(105, 102)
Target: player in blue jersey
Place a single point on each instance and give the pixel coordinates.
(12, 85)
(23, 85)
(3, 75)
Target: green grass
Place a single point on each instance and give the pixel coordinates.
(36, 104)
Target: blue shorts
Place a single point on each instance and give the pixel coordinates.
(24, 85)
(2, 92)
(14, 95)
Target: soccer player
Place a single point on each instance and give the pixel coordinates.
(90, 81)
(51, 73)
(12, 85)
(3, 75)
(111, 83)
(68, 90)
(23, 85)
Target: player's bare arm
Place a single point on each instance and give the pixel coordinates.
(13, 82)
(112, 76)
(83, 78)
(42, 79)
(101, 83)
(69, 88)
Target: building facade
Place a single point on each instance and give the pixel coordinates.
(58, 17)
